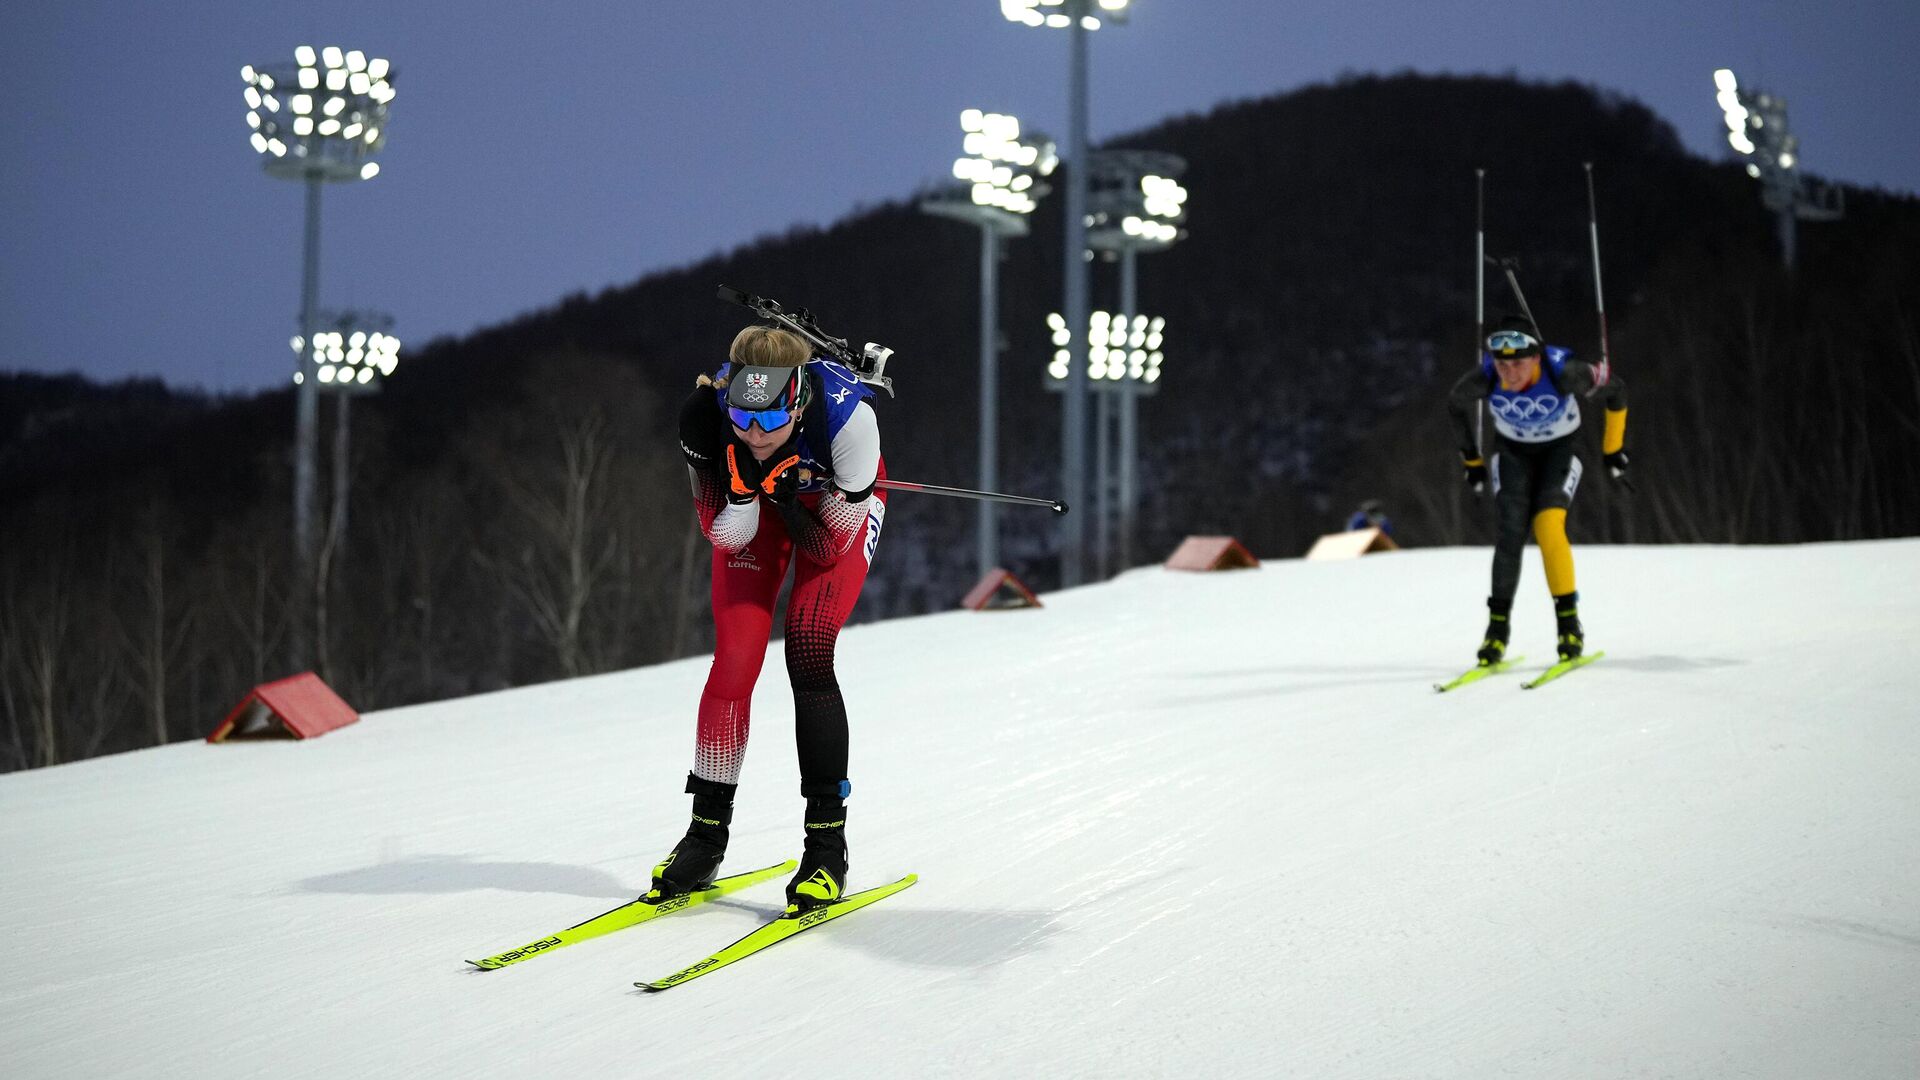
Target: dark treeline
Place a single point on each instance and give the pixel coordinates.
(519, 511)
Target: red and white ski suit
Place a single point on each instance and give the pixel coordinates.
(831, 553)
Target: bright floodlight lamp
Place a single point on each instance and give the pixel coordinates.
(1003, 173)
(323, 115)
(355, 352)
(1078, 18)
(1135, 201)
(1058, 14)
(1004, 176)
(1757, 130)
(321, 119)
(1119, 351)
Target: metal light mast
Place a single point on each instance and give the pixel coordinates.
(1757, 130)
(321, 119)
(1003, 172)
(1078, 18)
(1136, 204)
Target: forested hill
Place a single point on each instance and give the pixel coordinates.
(1317, 310)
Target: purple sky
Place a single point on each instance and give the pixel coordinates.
(536, 150)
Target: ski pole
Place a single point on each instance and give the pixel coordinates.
(1479, 262)
(1055, 505)
(1479, 295)
(1599, 298)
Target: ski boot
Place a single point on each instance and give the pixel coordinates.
(1493, 647)
(1569, 639)
(696, 858)
(822, 876)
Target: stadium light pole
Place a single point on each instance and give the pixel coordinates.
(1124, 355)
(353, 355)
(1135, 204)
(1078, 18)
(1003, 173)
(319, 120)
(1757, 130)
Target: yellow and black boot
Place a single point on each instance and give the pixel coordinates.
(1569, 639)
(822, 877)
(1493, 646)
(696, 858)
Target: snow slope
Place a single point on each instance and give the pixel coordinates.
(1176, 824)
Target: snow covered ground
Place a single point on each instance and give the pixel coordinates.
(1209, 825)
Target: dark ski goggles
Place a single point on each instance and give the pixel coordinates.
(1514, 344)
(769, 397)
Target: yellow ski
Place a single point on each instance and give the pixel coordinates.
(1562, 668)
(632, 913)
(779, 930)
(1474, 675)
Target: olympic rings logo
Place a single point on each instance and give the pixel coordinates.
(1521, 410)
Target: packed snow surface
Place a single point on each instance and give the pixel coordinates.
(1171, 825)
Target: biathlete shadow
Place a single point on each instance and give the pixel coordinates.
(948, 938)
(1665, 665)
(1319, 677)
(428, 874)
(969, 939)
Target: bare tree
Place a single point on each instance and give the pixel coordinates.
(568, 546)
(156, 638)
(37, 624)
(248, 593)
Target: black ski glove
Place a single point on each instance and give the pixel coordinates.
(748, 478)
(702, 441)
(1616, 464)
(781, 485)
(1475, 470)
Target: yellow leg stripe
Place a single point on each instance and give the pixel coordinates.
(1550, 532)
(1616, 433)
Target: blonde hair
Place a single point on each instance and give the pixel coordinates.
(768, 346)
(763, 346)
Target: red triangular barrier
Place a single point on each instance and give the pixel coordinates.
(299, 707)
(1211, 553)
(998, 590)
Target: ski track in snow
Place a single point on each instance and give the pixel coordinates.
(1175, 824)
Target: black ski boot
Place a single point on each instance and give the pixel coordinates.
(1493, 647)
(696, 858)
(1570, 640)
(822, 877)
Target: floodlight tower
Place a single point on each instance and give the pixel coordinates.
(320, 119)
(1135, 204)
(1004, 175)
(1757, 130)
(1078, 18)
(354, 353)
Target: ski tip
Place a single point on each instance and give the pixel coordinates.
(651, 988)
(483, 965)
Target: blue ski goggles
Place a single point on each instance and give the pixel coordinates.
(1512, 344)
(770, 420)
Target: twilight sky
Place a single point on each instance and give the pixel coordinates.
(539, 149)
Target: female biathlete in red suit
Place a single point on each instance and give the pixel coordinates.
(784, 453)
